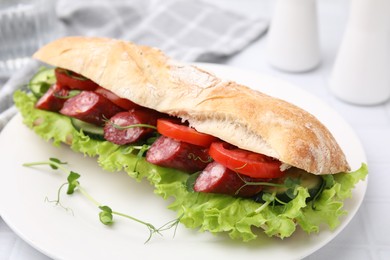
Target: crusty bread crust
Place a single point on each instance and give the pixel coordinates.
(236, 114)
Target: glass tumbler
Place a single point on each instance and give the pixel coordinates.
(25, 26)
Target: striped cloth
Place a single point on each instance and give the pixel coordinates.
(187, 30)
(18, 81)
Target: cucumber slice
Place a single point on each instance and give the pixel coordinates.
(93, 131)
(312, 182)
(42, 81)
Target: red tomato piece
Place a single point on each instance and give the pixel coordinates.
(245, 162)
(73, 80)
(176, 130)
(120, 102)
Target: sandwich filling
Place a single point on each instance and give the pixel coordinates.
(200, 170)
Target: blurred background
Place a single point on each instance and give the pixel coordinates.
(337, 50)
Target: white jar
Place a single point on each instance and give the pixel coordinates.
(293, 41)
(361, 73)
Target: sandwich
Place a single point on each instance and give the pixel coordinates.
(233, 159)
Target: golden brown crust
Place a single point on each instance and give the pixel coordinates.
(235, 113)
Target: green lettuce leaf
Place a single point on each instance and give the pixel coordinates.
(206, 212)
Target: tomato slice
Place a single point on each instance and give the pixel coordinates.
(73, 80)
(245, 162)
(174, 129)
(120, 102)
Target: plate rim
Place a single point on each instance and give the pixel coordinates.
(218, 66)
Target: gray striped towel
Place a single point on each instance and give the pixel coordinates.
(187, 30)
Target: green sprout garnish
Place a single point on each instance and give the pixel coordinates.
(194, 157)
(119, 127)
(106, 214)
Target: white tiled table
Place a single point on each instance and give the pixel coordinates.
(368, 235)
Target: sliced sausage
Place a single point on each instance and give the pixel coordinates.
(115, 132)
(90, 107)
(53, 99)
(168, 152)
(216, 178)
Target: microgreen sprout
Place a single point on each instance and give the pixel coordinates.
(57, 200)
(289, 184)
(194, 157)
(73, 182)
(142, 149)
(241, 167)
(268, 198)
(54, 163)
(131, 126)
(106, 214)
(108, 121)
(253, 183)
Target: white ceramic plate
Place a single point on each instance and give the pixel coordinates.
(78, 234)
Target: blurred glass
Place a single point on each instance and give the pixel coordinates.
(25, 25)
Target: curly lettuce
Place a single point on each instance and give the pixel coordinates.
(207, 212)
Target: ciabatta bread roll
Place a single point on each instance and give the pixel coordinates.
(235, 113)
